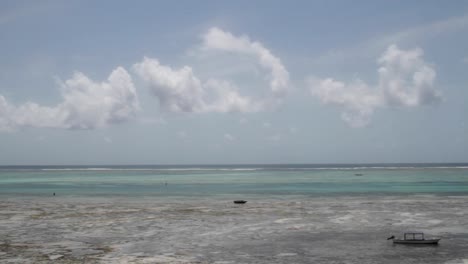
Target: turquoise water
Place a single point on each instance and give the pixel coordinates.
(236, 180)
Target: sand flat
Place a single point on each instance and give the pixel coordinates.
(299, 230)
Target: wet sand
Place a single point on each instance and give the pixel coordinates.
(214, 230)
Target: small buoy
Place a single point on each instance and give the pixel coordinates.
(240, 202)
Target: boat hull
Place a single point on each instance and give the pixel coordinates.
(417, 242)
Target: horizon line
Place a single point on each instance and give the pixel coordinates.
(238, 164)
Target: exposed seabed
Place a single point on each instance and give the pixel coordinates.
(214, 230)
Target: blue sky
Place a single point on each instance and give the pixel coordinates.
(218, 82)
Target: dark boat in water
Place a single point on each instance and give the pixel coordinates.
(415, 238)
(240, 201)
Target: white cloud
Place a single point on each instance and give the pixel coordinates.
(405, 80)
(86, 105)
(217, 39)
(357, 99)
(228, 99)
(177, 90)
(229, 137)
(181, 91)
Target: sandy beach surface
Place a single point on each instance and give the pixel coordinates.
(200, 230)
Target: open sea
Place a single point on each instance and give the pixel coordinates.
(332, 213)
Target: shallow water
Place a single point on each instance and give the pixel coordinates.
(294, 214)
(276, 180)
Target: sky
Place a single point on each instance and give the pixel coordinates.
(233, 82)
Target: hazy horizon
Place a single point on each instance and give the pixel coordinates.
(364, 165)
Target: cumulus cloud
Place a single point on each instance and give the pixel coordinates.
(217, 39)
(357, 99)
(86, 105)
(179, 90)
(404, 80)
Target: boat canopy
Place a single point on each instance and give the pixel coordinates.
(414, 236)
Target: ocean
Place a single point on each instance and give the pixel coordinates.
(235, 180)
(332, 213)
